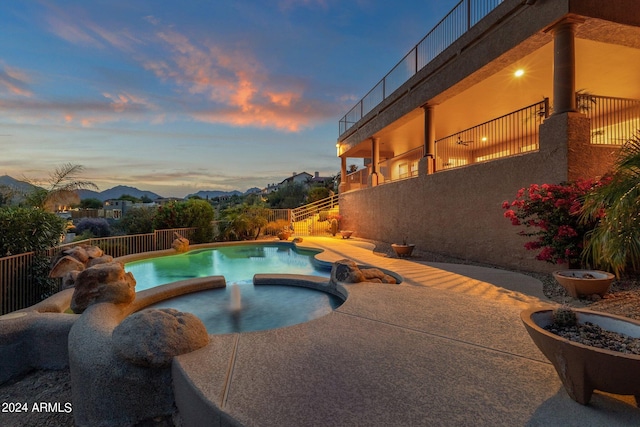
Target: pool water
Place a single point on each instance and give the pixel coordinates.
(237, 263)
(260, 307)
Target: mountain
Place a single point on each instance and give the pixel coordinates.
(209, 194)
(116, 193)
(13, 183)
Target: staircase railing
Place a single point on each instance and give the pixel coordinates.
(314, 218)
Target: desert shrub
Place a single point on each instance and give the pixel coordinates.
(138, 221)
(28, 230)
(94, 227)
(274, 227)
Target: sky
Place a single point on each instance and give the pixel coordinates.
(180, 96)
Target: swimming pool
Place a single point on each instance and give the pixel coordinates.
(238, 263)
(254, 308)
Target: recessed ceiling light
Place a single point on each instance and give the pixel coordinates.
(519, 72)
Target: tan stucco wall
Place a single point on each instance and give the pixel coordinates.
(459, 212)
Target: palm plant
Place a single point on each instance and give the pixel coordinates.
(614, 243)
(62, 188)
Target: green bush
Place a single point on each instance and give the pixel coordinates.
(28, 230)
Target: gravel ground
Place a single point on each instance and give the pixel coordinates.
(54, 387)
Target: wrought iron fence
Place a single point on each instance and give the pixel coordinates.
(401, 167)
(357, 180)
(613, 120)
(509, 135)
(20, 286)
(458, 21)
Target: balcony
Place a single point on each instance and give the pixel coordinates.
(612, 122)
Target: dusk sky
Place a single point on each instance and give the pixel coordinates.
(176, 97)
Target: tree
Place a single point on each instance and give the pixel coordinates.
(61, 189)
(94, 227)
(288, 196)
(192, 213)
(138, 221)
(91, 203)
(130, 198)
(614, 243)
(244, 222)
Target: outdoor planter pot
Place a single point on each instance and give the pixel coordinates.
(403, 250)
(576, 284)
(346, 233)
(583, 368)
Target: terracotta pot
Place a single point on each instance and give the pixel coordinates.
(284, 235)
(403, 250)
(584, 282)
(582, 368)
(346, 233)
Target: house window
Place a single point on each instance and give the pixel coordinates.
(117, 213)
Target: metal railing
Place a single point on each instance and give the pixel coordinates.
(458, 21)
(313, 219)
(401, 167)
(510, 135)
(357, 180)
(613, 120)
(20, 287)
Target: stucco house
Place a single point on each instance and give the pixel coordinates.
(499, 95)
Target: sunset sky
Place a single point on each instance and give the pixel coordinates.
(176, 97)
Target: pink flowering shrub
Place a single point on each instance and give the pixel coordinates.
(551, 213)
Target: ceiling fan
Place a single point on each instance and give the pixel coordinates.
(461, 142)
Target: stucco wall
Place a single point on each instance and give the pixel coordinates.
(459, 211)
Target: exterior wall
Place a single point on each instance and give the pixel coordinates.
(459, 211)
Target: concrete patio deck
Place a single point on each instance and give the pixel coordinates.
(444, 348)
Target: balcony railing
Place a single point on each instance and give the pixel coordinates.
(401, 167)
(458, 21)
(509, 135)
(613, 120)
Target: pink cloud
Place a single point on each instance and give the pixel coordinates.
(235, 81)
(15, 81)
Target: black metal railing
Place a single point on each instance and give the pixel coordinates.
(512, 134)
(613, 120)
(458, 21)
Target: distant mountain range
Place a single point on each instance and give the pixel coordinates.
(120, 190)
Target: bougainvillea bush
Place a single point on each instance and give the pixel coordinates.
(550, 214)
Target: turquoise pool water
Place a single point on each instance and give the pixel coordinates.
(237, 263)
(259, 307)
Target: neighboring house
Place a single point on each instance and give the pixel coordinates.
(303, 178)
(500, 95)
(117, 208)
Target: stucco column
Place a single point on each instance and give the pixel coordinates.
(343, 175)
(429, 137)
(564, 66)
(375, 159)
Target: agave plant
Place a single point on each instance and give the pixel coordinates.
(614, 243)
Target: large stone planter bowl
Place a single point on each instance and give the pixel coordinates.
(582, 368)
(584, 282)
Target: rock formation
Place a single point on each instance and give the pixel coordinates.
(347, 271)
(180, 244)
(106, 282)
(151, 338)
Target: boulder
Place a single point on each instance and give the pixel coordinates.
(180, 244)
(64, 265)
(69, 279)
(78, 252)
(104, 259)
(346, 271)
(152, 337)
(103, 283)
(376, 275)
(94, 251)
